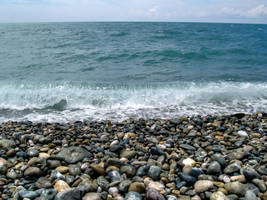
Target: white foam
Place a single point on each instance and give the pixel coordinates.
(121, 102)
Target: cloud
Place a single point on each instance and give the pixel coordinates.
(256, 12)
(153, 9)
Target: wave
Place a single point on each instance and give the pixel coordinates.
(64, 102)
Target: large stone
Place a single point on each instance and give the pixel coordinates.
(6, 144)
(133, 196)
(154, 195)
(214, 168)
(250, 195)
(73, 154)
(98, 168)
(33, 172)
(236, 188)
(203, 186)
(73, 194)
(137, 187)
(154, 172)
(92, 196)
(127, 154)
(61, 186)
(218, 196)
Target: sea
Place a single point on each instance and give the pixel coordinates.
(65, 72)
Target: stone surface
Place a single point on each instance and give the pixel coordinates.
(203, 186)
(73, 154)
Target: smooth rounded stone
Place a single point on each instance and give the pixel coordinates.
(129, 170)
(128, 154)
(74, 170)
(187, 147)
(57, 175)
(43, 182)
(52, 164)
(142, 170)
(156, 151)
(114, 176)
(152, 194)
(262, 170)
(190, 180)
(73, 154)
(224, 178)
(219, 158)
(92, 196)
(89, 186)
(260, 184)
(253, 188)
(233, 197)
(236, 155)
(250, 195)
(188, 162)
(61, 186)
(12, 174)
(6, 144)
(203, 186)
(250, 174)
(239, 178)
(154, 172)
(73, 194)
(171, 197)
(214, 168)
(133, 196)
(234, 167)
(98, 168)
(242, 133)
(4, 164)
(33, 153)
(137, 187)
(33, 172)
(62, 169)
(218, 196)
(48, 194)
(124, 185)
(195, 172)
(102, 182)
(236, 188)
(113, 190)
(28, 194)
(155, 186)
(116, 148)
(115, 162)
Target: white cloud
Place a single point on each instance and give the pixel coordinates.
(256, 12)
(153, 9)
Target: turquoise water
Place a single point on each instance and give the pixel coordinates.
(75, 71)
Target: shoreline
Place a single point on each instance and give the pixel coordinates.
(209, 157)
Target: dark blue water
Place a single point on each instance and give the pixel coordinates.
(76, 71)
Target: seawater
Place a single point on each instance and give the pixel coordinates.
(62, 72)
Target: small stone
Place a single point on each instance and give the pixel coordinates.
(61, 186)
(242, 134)
(188, 162)
(234, 167)
(129, 170)
(124, 185)
(98, 168)
(74, 170)
(92, 196)
(48, 194)
(6, 144)
(214, 168)
(28, 194)
(142, 170)
(154, 195)
(33, 172)
(114, 175)
(133, 196)
(190, 180)
(236, 188)
(113, 190)
(250, 195)
(260, 184)
(203, 186)
(62, 169)
(250, 174)
(73, 194)
(154, 172)
(137, 187)
(195, 172)
(187, 147)
(43, 182)
(239, 178)
(218, 196)
(127, 154)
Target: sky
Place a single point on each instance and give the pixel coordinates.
(236, 11)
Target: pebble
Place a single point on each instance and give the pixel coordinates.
(154, 172)
(203, 186)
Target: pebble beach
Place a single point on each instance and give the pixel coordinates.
(209, 157)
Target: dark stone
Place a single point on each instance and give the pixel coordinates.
(48, 194)
(73, 194)
(214, 168)
(73, 154)
(190, 180)
(28, 194)
(218, 157)
(195, 172)
(142, 171)
(250, 174)
(156, 151)
(180, 184)
(116, 148)
(187, 147)
(154, 172)
(114, 176)
(153, 194)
